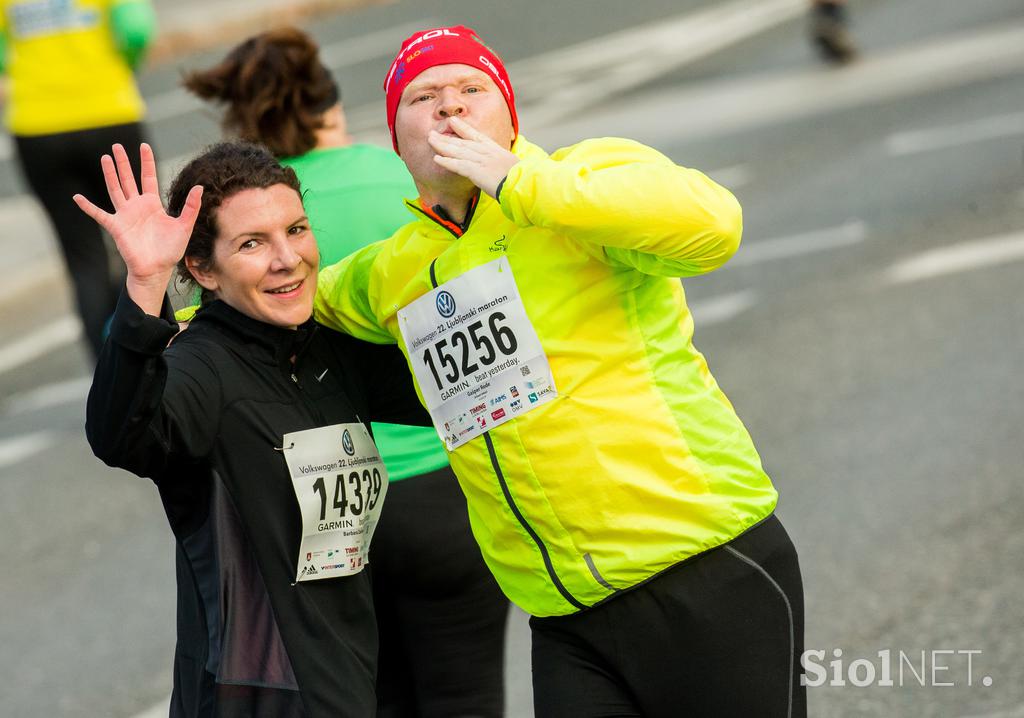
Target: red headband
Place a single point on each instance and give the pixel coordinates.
(455, 45)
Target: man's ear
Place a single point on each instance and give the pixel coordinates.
(204, 277)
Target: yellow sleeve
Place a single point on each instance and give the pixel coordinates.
(347, 296)
(641, 208)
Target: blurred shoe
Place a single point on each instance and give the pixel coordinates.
(829, 33)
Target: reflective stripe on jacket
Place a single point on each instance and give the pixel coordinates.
(641, 461)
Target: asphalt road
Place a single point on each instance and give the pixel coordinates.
(868, 332)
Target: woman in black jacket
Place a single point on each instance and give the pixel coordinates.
(253, 425)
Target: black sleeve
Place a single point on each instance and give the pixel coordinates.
(390, 392)
(145, 405)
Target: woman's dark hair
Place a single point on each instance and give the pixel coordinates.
(224, 169)
(275, 88)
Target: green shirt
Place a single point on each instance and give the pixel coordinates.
(353, 197)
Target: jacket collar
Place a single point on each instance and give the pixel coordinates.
(435, 217)
(279, 342)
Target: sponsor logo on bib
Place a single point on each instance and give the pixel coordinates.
(445, 304)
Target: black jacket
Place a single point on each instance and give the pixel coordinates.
(202, 419)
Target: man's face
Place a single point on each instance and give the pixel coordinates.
(431, 99)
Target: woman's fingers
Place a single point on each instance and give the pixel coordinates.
(150, 184)
(102, 218)
(124, 172)
(110, 178)
(190, 211)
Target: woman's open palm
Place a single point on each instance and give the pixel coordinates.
(150, 241)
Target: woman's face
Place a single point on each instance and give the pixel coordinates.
(265, 257)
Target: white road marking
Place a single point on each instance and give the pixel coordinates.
(723, 107)
(19, 448)
(22, 216)
(1013, 712)
(556, 84)
(732, 177)
(160, 710)
(721, 309)
(172, 103)
(819, 240)
(381, 43)
(963, 257)
(56, 394)
(37, 343)
(36, 272)
(937, 138)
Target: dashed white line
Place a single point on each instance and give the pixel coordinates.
(732, 177)
(49, 395)
(938, 138)
(19, 448)
(1014, 712)
(170, 104)
(160, 710)
(962, 257)
(382, 43)
(557, 84)
(819, 240)
(37, 343)
(723, 308)
(764, 99)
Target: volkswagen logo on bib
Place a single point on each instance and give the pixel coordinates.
(445, 304)
(346, 443)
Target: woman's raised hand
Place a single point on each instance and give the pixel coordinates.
(150, 241)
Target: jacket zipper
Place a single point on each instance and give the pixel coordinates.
(545, 555)
(526, 526)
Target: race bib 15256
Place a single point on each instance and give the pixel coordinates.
(475, 353)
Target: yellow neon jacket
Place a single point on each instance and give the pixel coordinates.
(641, 461)
(69, 63)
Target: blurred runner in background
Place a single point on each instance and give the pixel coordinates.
(829, 31)
(440, 613)
(71, 95)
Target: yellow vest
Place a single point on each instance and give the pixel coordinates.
(65, 72)
(640, 462)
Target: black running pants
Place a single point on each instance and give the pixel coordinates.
(58, 166)
(440, 613)
(719, 635)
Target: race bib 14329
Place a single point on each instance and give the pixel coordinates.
(340, 483)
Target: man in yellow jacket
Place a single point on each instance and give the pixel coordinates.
(615, 494)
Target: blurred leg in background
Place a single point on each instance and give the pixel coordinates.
(440, 613)
(830, 33)
(56, 167)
